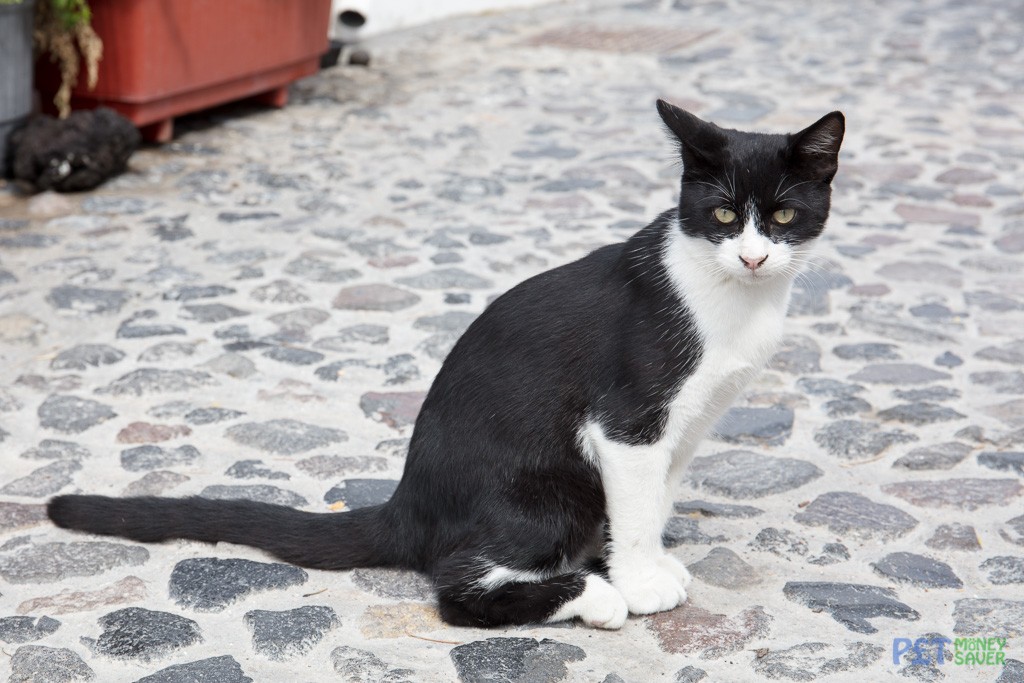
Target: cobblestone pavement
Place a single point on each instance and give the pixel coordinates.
(257, 309)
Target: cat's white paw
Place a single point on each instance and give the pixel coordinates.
(676, 568)
(652, 587)
(600, 606)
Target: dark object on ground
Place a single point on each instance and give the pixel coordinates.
(359, 58)
(77, 153)
(329, 59)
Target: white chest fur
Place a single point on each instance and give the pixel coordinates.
(740, 327)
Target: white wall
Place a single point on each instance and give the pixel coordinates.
(388, 15)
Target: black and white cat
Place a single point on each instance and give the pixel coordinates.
(542, 465)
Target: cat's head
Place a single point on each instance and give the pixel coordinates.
(753, 203)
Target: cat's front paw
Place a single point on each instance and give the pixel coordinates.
(676, 568)
(652, 587)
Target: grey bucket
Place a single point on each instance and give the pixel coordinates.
(15, 68)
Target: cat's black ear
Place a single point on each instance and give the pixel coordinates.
(700, 142)
(815, 150)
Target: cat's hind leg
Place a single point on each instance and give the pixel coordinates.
(472, 594)
(599, 605)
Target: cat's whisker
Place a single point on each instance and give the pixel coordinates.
(790, 188)
(785, 176)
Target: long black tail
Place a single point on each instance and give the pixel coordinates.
(344, 540)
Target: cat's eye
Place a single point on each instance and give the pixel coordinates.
(783, 216)
(724, 215)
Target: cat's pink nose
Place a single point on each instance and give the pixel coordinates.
(755, 262)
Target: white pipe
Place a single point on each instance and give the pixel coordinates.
(390, 15)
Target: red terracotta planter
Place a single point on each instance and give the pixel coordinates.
(164, 58)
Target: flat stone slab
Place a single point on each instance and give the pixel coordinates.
(917, 570)
(899, 373)
(942, 456)
(1005, 461)
(688, 674)
(87, 300)
(56, 449)
(770, 426)
(989, 617)
(154, 483)
(14, 630)
(722, 567)
(514, 659)
(291, 633)
(706, 508)
(374, 297)
(867, 351)
(1012, 353)
(445, 278)
(127, 590)
(743, 474)
(1004, 569)
(332, 466)
(850, 604)
(205, 416)
(85, 356)
(920, 413)
(144, 635)
(395, 409)
(797, 355)
(18, 515)
(811, 660)
(451, 321)
(261, 493)
(211, 313)
(44, 481)
(152, 380)
(254, 469)
(56, 561)
(394, 584)
(781, 542)
(954, 537)
(686, 531)
(827, 386)
(32, 663)
(150, 457)
(1001, 382)
(223, 669)
(1012, 671)
(354, 664)
(208, 584)
(1013, 530)
(691, 630)
(965, 494)
(73, 415)
(285, 436)
(855, 515)
(857, 440)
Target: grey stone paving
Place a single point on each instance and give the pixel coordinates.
(257, 309)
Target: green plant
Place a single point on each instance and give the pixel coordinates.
(63, 29)
(72, 12)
